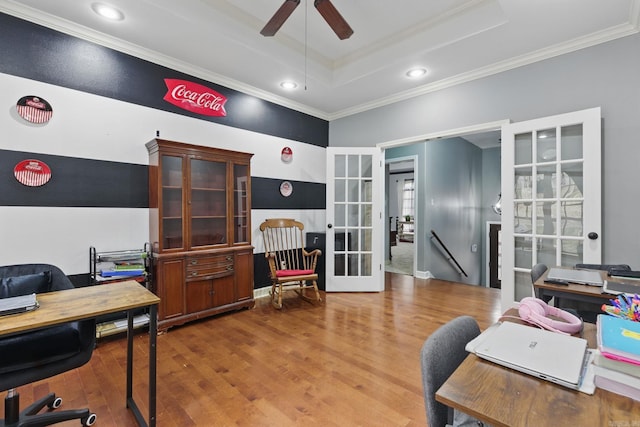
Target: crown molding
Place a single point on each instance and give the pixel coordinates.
(70, 28)
(75, 30)
(593, 39)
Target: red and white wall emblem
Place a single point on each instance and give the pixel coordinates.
(32, 173)
(195, 98)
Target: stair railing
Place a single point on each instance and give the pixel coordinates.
(448, 255)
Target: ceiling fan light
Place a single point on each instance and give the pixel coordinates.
(415, 73)
(289, 85)
(108, 12)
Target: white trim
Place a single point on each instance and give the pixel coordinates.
(76, 30)
(417, 220)
(263, 292)
(466, 130)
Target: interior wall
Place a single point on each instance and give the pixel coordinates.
(106, 106)
(606, 75)
(450, 203)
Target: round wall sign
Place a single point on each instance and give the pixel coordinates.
(286, 188)
(287, 155)
(32, 173)
(34, 109)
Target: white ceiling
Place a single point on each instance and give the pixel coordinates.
(456, 40)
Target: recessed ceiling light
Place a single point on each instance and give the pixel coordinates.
(108, 12)
(414, 73)
(289, 85)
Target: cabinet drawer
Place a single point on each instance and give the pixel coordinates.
(212, 265)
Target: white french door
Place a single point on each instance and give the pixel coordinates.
(355, 224)
(551, 192)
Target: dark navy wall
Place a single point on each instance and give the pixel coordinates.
(40, 53)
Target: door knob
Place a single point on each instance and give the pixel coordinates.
(593, 235)
(330, 225)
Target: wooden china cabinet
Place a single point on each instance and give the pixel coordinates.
(200, 229)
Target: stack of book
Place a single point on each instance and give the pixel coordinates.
(617, 364)
(122, 269)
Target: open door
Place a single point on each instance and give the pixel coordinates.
(355, 240)
(551, 191)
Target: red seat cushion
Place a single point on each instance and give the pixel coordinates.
(287, 273)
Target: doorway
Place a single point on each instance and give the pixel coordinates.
(483, 136)
(400, 203)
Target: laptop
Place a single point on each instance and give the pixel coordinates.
(618, 288)
(19, 304)
(551, 356)
(583, 277)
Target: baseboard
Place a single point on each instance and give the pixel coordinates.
(424, 275)
(261, 292)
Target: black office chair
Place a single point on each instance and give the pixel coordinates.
(442, 352)
(33, 356)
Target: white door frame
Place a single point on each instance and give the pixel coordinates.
(450, 133)
(417, 216)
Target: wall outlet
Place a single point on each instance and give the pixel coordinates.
(474, 247)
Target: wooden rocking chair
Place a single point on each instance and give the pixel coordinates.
(291, 267)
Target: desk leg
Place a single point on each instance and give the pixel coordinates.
(153, 336)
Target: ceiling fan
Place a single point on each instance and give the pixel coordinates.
(326, 9)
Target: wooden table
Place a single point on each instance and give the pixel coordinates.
(503, 397)
(90, 302)
(572, 291)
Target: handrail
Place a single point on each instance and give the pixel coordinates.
(450, 256)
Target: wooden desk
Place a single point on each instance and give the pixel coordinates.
(572, 291)
(90, 302)
(504, 397)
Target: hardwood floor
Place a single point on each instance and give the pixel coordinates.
(352, 360)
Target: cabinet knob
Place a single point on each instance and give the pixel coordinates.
(194, 261)
(195, 273)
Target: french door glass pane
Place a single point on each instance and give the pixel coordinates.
(546, 253)
(571, 252)
(546, 218)
(353, 215)
(523, 252)
(571, 147)
(523, 149)
(546, 145)
(546, 182)
(572, 218)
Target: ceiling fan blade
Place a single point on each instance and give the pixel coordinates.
(279, 17)
(333, 18)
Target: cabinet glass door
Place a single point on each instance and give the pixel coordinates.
(171, 230)
(240, 203)
(208, 203)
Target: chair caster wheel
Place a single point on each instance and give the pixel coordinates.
(57, 402)
(90, 420)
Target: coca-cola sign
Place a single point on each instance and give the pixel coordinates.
(195, 98)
